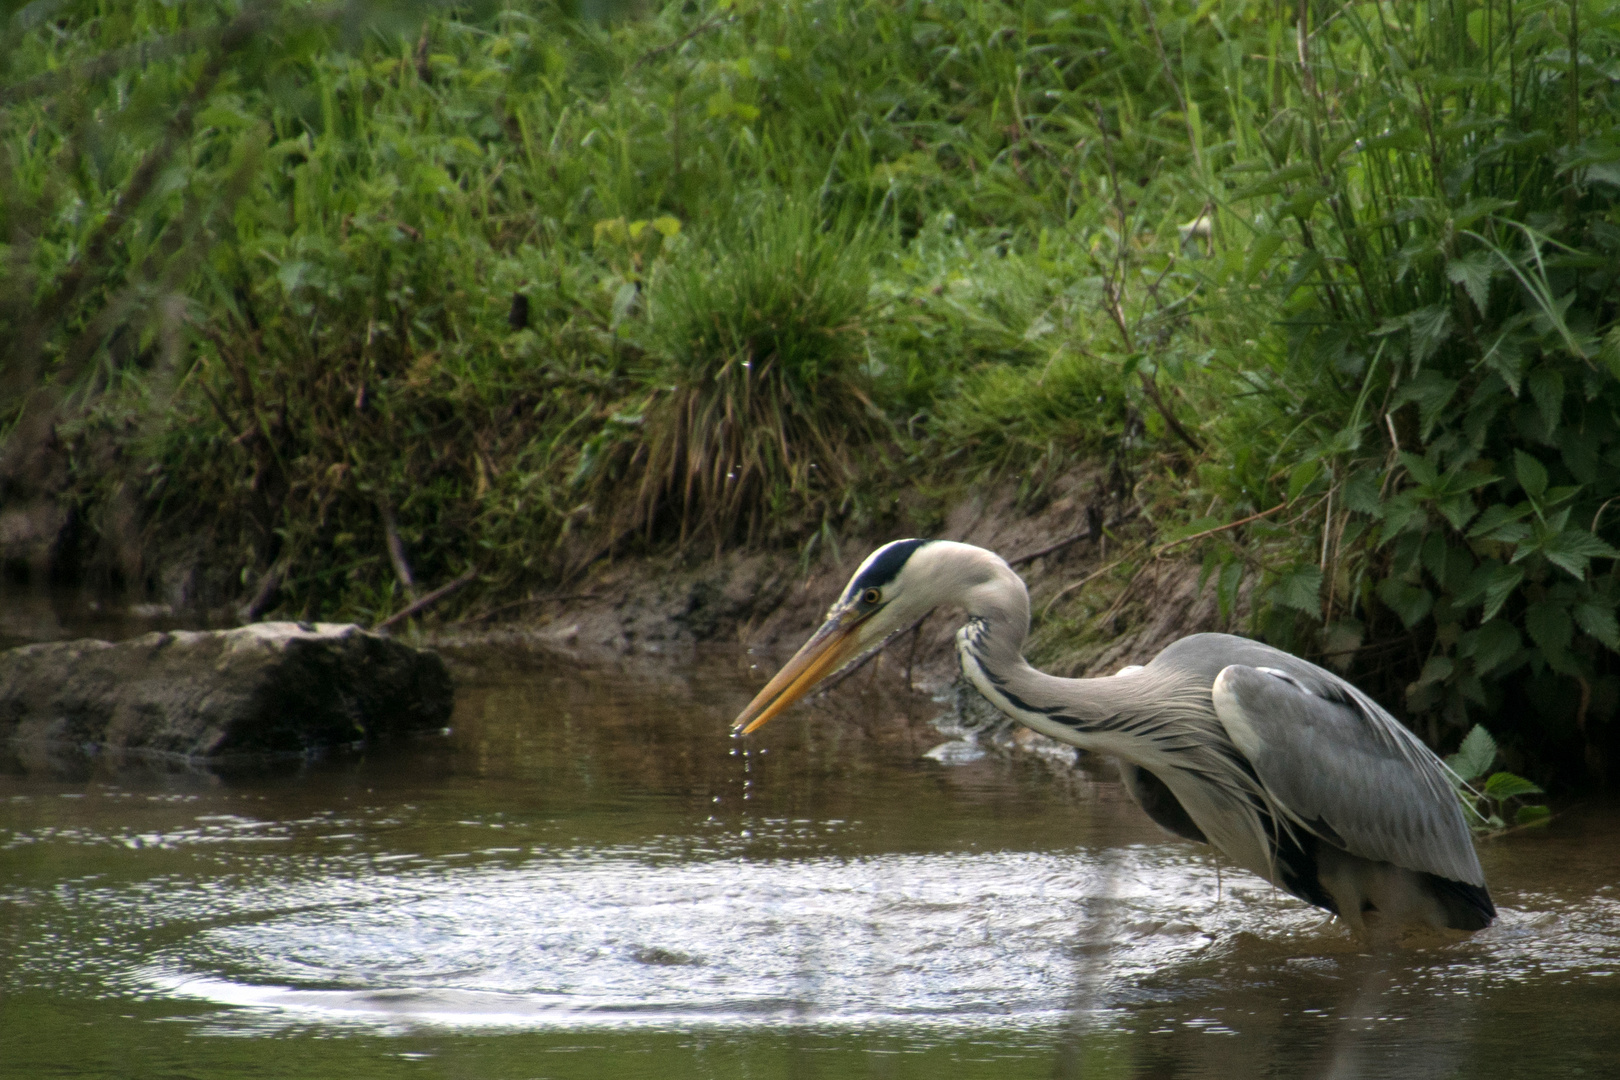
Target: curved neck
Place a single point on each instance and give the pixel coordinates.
(991, 647)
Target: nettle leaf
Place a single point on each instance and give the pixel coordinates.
(1437, 669)
(1473, 272)
(1430, 327)
(1506, 357)
(1261, 249)
(1572, 550)
(1411, 602)
(1402, 512)
(1434, 555)
(1547, 387)
(1495, 644)
(1532, 474)
(1424, 471)
(1501, 522)
(1500, 586)
(1459, 509)
(1476, 208)
(1597, 619)
(1504, 785)
(1532, 815)
(1300, 588)
(1609, 352)
(1302, 477)
(1549, 625)
(1361, 491)
(1476, 754)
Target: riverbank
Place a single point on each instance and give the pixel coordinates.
(346, 312)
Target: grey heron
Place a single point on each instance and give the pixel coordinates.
(1286, 769)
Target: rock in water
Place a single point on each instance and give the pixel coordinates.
(269, 688)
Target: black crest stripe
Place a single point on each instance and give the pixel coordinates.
(886, 565)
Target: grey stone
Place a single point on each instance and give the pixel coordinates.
(265, 689)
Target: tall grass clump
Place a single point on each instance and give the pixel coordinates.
(1432, 206)
(760, 405)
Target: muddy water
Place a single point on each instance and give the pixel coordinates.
(588, 878)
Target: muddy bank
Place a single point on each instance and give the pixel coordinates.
(768, 603)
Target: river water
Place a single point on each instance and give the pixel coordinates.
(588, 877)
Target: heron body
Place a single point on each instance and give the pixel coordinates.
(1285, 768)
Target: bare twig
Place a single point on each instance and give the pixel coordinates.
(1150, 386)
(426, 602)
(527, 600)
(1114, 290)
(1088, 579)
(1084, 534)
(396, 547)
(268, 584)
(701, 28)
(1162, 548)
(1175, 87)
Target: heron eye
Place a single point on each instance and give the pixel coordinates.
(871, 596)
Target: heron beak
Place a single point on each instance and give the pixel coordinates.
(832, 645)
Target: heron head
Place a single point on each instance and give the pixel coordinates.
(881, 599)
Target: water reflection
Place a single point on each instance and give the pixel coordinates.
(589, 868)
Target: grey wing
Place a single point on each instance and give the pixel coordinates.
(1345, 769)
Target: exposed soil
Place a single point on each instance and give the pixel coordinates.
(768, 603)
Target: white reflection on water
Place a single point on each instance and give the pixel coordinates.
(1002, 940)
(994, 939)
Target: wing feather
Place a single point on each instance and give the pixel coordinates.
(1344, 769)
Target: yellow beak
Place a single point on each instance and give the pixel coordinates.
(826, 652)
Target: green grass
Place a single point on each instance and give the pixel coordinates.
(529, 291)
(760, 403)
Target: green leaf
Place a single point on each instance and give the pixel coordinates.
(1547, 387)
(1504, 785)
(1532, 815)
(1459, 509)
(1361, 491)
(1300, 588)
(1302, 477)
(1549, 625)
(1474, 209)
(1410, 602)
(1598, 620)
(1609, 353)
(1473, 272)
(1401, 513)
(1495, 644)
(1226, 587)
(1422, 470)
(1435, 554)
(1437, 669)
(1476, 754)
(1532, 474)
(1506, 357)
(1500, 586)
(1307, 264)
(1501, 522)
(1572, 549)
(1260, 253)
(1430, 327)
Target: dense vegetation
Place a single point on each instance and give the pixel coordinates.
(342, 295)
